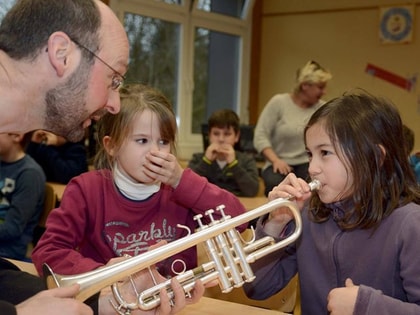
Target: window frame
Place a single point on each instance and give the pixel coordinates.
(189, 143)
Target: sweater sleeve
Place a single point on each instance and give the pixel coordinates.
(23, 204)
(245, 173)
(60, 163)
(266, 124)
(272, 272)
(7, 308)
(199, 165)
(372, 301)
(16, 286)
(59, 249)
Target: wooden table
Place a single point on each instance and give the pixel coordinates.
(253, 202)
(24, 266)
(249, 202)
(209, 306)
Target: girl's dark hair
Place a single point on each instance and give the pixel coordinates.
(27, 26)
(368, 132)
(135, 98)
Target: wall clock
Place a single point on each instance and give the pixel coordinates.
(396, 24)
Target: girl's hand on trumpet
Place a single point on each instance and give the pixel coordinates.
(290, 188)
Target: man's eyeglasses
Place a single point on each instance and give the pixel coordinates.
(117, 78)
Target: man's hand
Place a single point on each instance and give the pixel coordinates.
(53, 302)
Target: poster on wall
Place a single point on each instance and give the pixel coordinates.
(396, 24)
(395, 79)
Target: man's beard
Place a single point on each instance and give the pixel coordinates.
(66, 105)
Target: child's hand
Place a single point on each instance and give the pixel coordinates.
(290, 187)
(47, 138)
(163, 167)
(342, 300)
(212, 151)
(226, 152)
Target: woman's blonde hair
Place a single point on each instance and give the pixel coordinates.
(311, 72)
(135, 98)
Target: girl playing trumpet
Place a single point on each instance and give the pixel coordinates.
(358, 252)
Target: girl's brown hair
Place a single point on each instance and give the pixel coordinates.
(135, 98)
(368, 132)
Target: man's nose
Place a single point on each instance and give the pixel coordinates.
(114, 104)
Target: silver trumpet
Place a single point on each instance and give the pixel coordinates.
(230, 258)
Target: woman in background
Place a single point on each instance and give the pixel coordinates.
(279, 131)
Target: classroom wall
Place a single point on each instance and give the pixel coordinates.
(343, 36)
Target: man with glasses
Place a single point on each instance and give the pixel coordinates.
(61, 65)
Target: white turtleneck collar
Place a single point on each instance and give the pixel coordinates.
(132, 189)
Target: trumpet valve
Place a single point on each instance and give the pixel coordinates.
(221, 209)
(198, 218)
(209, 213)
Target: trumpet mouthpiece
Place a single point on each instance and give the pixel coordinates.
(314, 185)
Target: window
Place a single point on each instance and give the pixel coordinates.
(216, 57)
(5, 6)
(154, 53)
(230, 8)
(196, 52)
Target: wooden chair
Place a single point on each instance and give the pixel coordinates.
(50, 203)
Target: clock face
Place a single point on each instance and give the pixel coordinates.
(396, 24)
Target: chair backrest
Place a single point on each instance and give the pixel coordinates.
(50, 202)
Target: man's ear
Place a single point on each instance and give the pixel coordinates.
(108, 145)
(59, 49)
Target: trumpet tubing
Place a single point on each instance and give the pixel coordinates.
(229, 258)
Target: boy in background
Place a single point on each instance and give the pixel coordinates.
(22, 189)
(221, 164)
